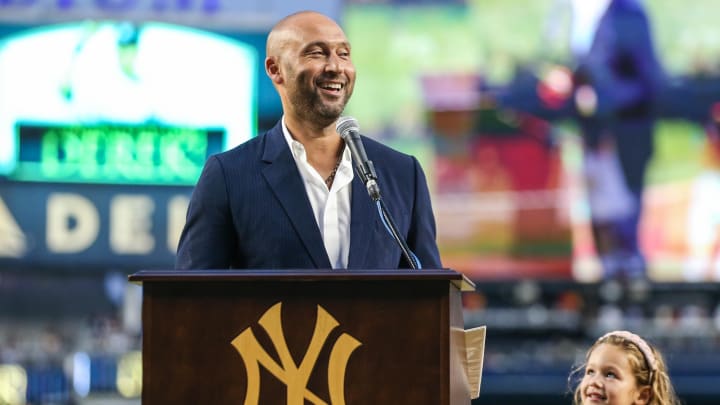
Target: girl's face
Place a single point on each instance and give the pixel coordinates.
(609, 379)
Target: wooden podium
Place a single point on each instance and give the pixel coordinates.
(302, 337)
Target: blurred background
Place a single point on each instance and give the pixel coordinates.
(572, 149)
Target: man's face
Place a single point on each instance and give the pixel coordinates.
(318, 73)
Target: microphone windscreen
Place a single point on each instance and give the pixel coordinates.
(345, 125)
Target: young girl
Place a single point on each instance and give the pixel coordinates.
(623, 369)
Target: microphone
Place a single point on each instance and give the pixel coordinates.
(349, 131)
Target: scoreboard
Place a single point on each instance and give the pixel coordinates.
(105, 127)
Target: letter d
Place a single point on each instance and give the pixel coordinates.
(64, 236)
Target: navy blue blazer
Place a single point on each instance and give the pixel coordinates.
(250, 210)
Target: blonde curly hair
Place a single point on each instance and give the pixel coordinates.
(646, 361)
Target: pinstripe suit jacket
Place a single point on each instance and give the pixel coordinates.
(249, 210)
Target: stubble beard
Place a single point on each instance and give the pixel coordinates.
(310, 106)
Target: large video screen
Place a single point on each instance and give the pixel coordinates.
(105, 126)
(509, 182)
(118, 102)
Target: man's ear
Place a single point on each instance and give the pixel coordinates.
(272, 68)
(643, 396)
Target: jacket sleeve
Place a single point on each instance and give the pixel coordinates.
(208, 240)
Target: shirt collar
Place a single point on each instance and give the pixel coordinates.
(298, 150)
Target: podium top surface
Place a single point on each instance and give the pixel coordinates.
(306, 275)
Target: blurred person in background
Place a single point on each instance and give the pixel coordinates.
(288, 198)
(621, 368)
(617, 83)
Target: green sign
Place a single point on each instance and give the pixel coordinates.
(116, 154)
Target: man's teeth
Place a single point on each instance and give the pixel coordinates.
(332, 86)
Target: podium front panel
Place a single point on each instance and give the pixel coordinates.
(360, 340)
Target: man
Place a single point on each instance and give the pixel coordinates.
(289, 198)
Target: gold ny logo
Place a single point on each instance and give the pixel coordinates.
(293, 376)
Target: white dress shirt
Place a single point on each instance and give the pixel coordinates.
(331, 207)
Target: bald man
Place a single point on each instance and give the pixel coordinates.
(288, 199)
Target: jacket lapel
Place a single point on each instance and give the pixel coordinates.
(364, 221)
(285, 181)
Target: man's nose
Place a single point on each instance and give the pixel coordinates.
(334, 63)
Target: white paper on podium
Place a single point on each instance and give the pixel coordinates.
(473, 361)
